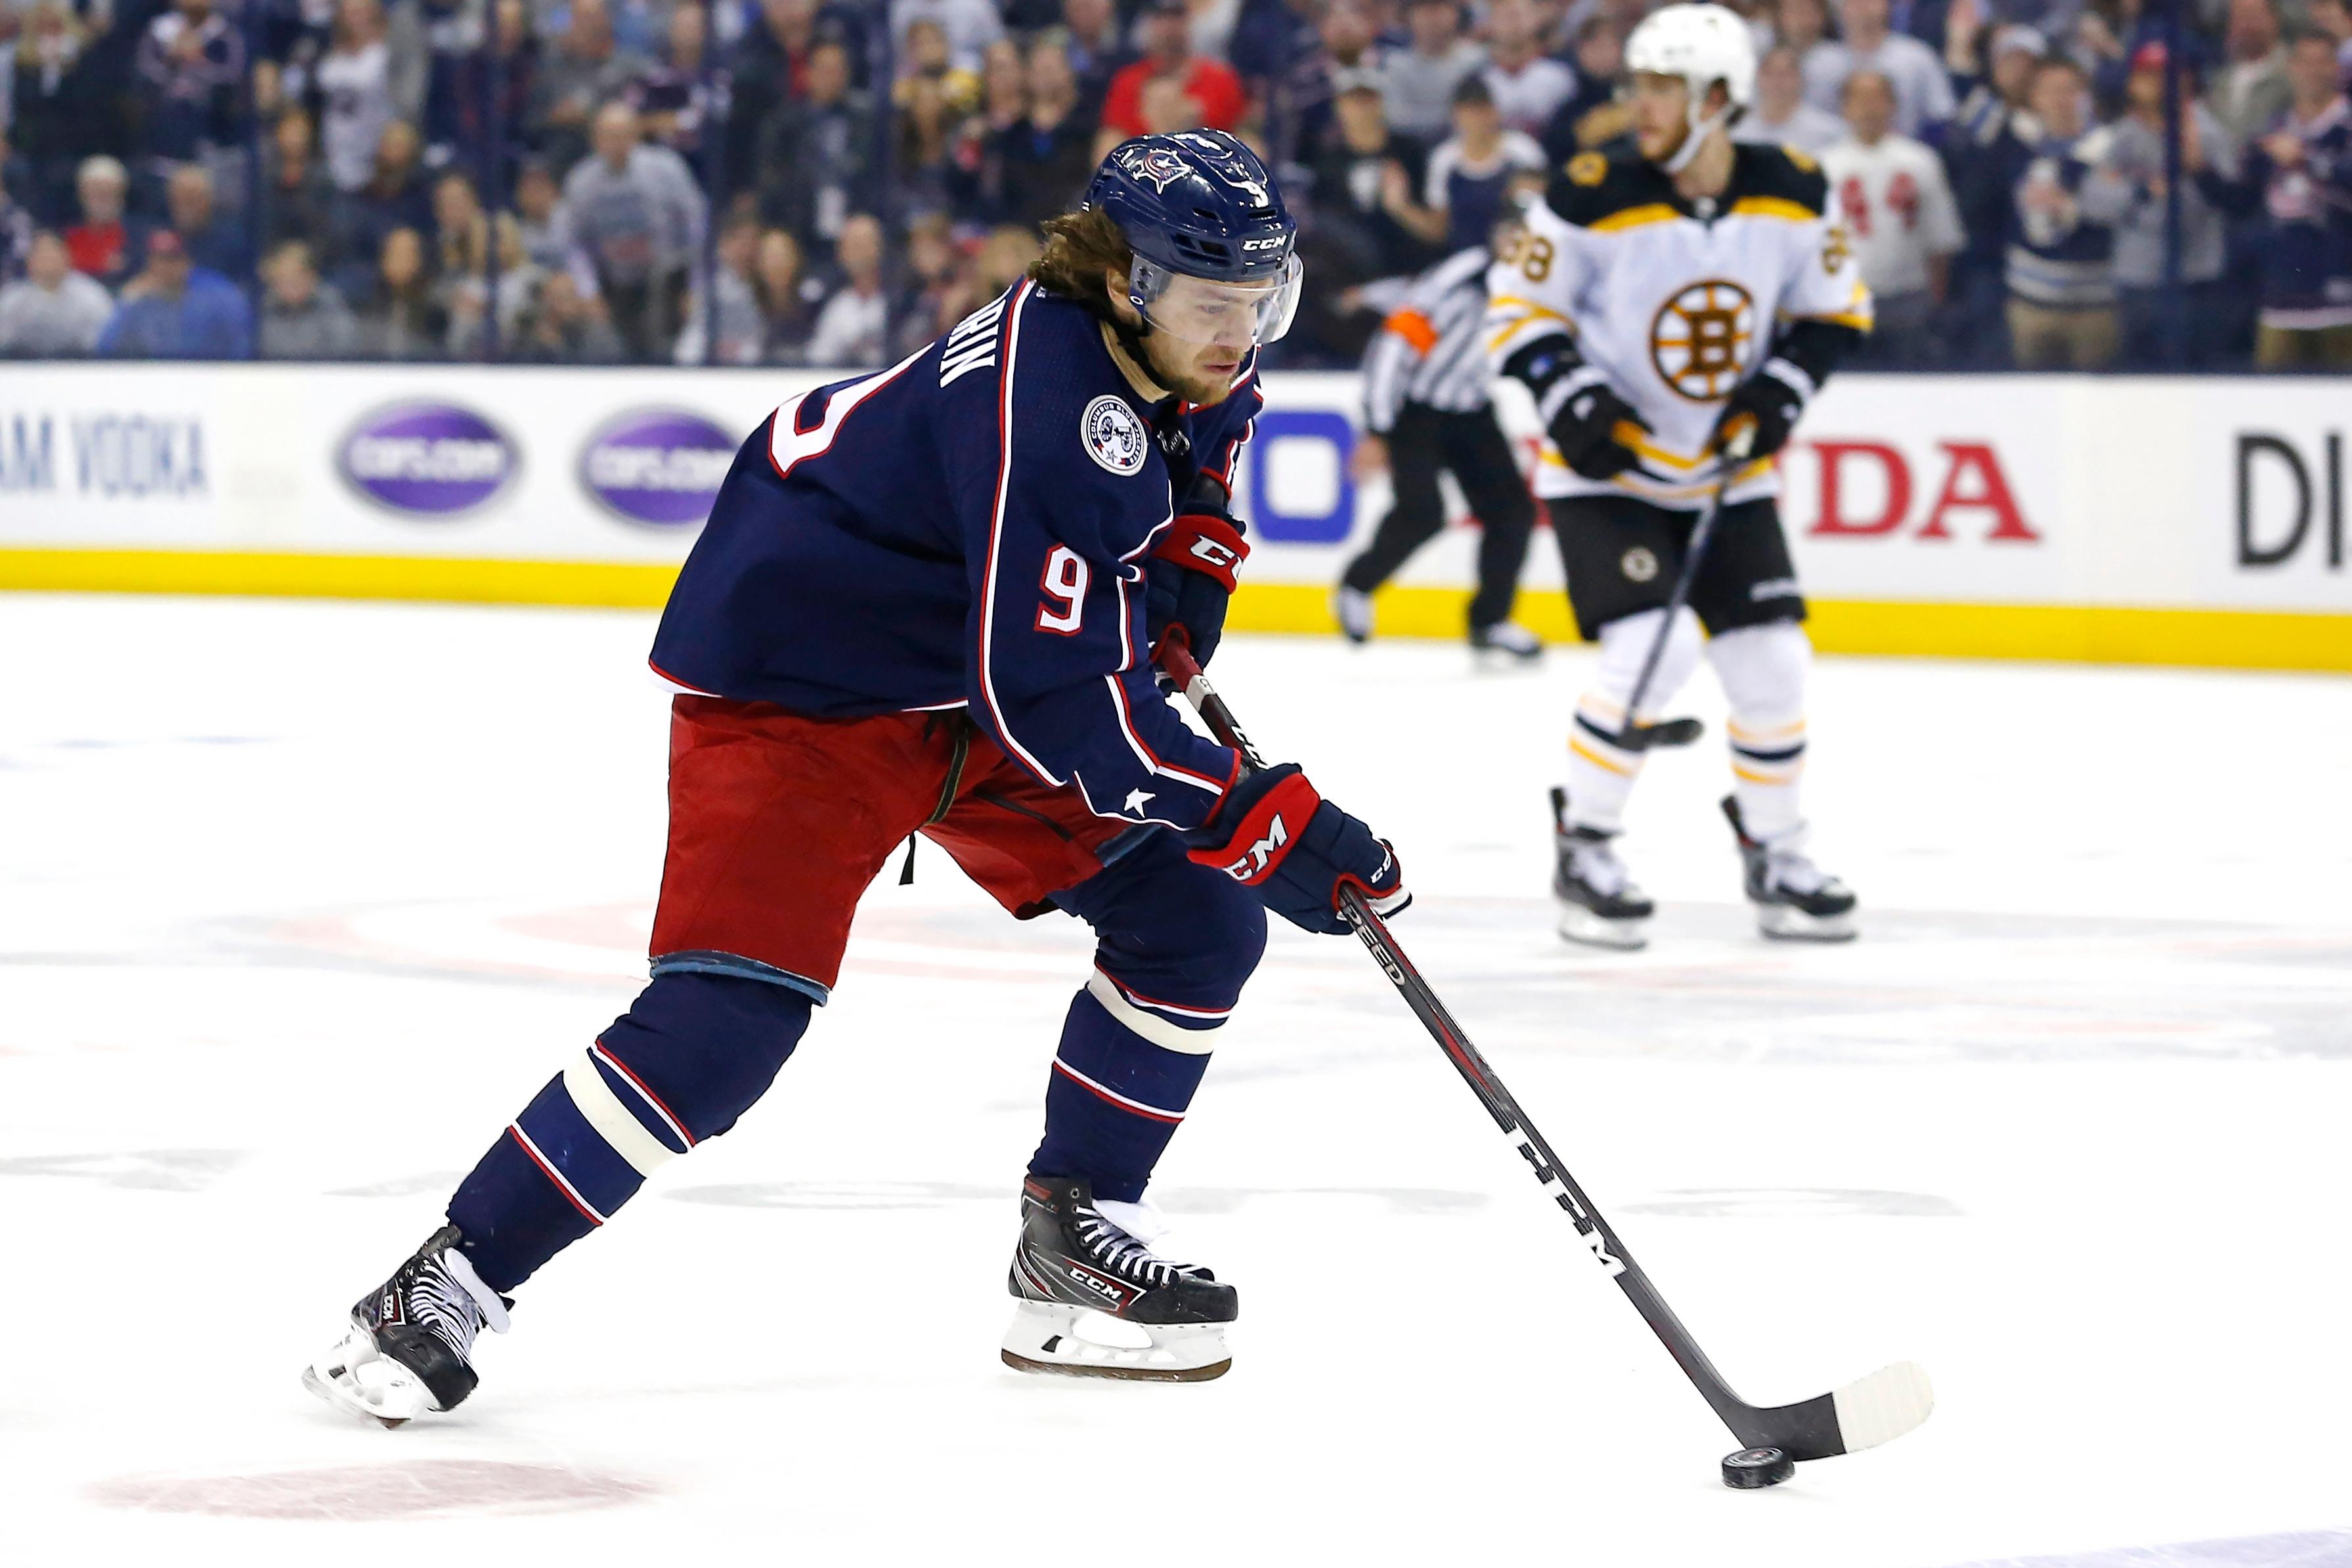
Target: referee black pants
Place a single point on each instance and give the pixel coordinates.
(1425, 442)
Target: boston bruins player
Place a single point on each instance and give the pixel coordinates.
(1655, 306)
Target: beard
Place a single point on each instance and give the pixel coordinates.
(1174, 364)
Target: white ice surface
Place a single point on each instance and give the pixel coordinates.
(302, 901)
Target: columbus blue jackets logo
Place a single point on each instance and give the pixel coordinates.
(1114, 437)
(1158, 165)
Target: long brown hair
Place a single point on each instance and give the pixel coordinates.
(1081, 247)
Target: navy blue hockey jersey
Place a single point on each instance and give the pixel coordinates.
(967, 527)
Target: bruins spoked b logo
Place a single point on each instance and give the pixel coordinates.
(1700, 339)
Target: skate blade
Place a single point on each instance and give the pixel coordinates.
(1579, 924)
(1782, 922)
(1044, 1339)
(350, 1406)
(1126, 1373)
(1503, 661)
(353, 1377)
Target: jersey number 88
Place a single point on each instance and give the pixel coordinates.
(1531, 254)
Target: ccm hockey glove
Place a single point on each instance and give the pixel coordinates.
(1190, 576)
(1295, 850)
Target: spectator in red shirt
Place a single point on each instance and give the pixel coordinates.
(102, 245)
(1168, 52)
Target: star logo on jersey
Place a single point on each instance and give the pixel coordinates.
(1114, 436)
(1135, 799)
(1698, 343)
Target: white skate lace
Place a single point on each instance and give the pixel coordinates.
(440, 1304)
(1122, 1254)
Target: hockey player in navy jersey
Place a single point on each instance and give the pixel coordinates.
(926, 602)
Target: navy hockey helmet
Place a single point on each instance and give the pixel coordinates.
(1198, 203)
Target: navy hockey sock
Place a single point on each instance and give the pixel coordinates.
(690, 1056)
(1115, 1099)
(1176, 944)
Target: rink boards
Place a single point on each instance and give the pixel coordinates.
(2108, 518)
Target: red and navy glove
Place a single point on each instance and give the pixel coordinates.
(1189, 578)
(1295, 850)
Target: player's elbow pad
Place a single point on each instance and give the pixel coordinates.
(1544, 363)
(1816, 347)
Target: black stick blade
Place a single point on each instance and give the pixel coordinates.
(1665, 733)
(1862, 1415)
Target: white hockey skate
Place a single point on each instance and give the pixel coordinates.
(1079, 1277)
(1353, 610)
(1598, 904)
(407, 1350)
(1795, 900)
(1505, 645)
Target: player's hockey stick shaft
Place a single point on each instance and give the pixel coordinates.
(1633, 734)
(1878, 1407)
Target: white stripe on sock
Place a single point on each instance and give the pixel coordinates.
(603, 1111)
(1152, 1027)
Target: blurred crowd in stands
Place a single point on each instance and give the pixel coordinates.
(835, 181)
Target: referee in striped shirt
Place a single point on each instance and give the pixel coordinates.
(1426, 410)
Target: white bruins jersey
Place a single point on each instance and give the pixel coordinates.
(1675, 308)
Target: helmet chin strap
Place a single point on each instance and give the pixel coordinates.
(1130, 338)
(1695, 138)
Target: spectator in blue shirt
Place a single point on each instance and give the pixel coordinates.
(177, 311)
(192, 68)
(2303, 170)
(2061, 236)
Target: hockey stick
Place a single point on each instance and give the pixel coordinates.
(1634, 735)
(1874, 1410)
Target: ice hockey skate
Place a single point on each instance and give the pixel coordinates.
(1354, 611)
(1076, 1265)
(1795, 900)
(1506, 643)
(1599, 905)
(409, 1347)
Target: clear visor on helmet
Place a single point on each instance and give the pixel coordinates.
(1200, 310)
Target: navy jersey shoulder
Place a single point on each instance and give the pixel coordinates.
(1218, 432)
(965, 527)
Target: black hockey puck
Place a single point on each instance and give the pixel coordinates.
(1752, 1469)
